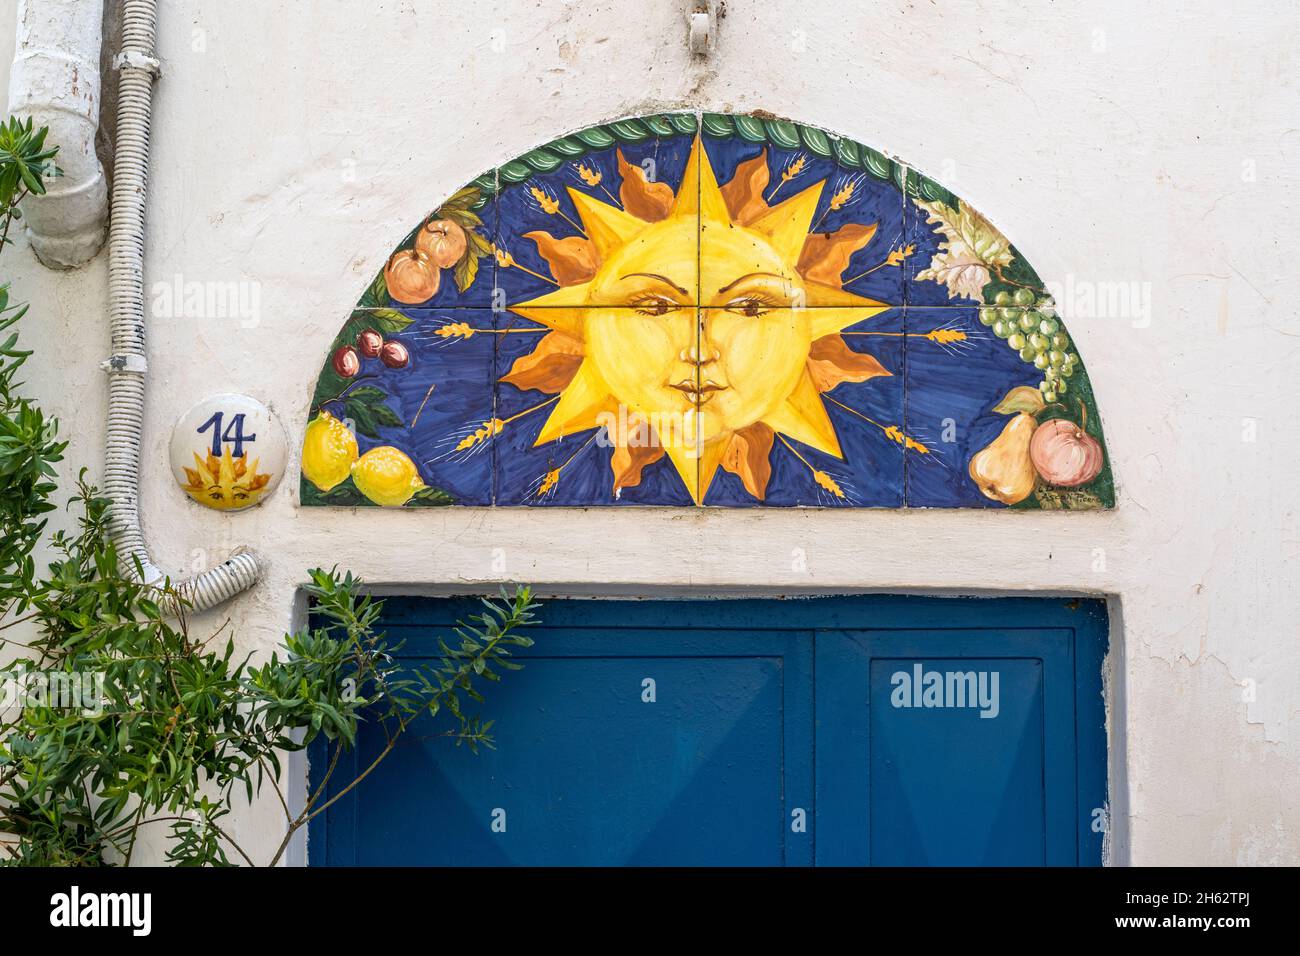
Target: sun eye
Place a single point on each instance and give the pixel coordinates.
(751, 305)
(651, 304)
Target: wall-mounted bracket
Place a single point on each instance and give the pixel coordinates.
(702, 18)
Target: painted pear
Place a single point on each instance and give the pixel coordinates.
(1004, 471)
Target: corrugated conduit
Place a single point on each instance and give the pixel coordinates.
(138, 67)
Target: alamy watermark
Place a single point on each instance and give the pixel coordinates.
(1127, 301)
(183, 298)
(919, 687)
(60, 690)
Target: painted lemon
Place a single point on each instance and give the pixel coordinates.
(386, 476)
(328, 451)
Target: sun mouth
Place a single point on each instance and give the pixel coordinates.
(698, 393)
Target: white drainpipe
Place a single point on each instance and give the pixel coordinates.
(55, 81)
(43, 25)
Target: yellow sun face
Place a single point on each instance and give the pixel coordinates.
(699, 314)
(226, 483)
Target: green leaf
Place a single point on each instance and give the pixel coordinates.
(815, 140)
(783, 133)
(596, 138)
(750, 128)
(543, 160)
(718, 124)
(1022, 398)
(376, 296)
(390, 321)
(466, 270)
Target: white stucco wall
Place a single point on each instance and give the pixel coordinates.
(295, 143)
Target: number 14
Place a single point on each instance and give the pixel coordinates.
(234, 432)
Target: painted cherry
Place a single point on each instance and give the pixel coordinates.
(394, 355)
(1064, 453)
(442, 241)
(346, 361)
(369, 342)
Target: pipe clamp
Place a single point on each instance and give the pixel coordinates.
(138, 61)
(131, 362)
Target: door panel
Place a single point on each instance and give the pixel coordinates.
(687, 733)
(596, 765)
(925, 780)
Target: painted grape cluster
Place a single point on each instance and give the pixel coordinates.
(1029, 325)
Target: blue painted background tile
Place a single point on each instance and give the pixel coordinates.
(951, 391)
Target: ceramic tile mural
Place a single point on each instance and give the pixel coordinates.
(705, 310)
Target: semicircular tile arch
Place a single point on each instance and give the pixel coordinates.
(705, 309)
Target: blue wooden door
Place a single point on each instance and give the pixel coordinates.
(687, 733)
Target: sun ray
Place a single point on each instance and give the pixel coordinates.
(786, 226)
(830, 321)
(687, 462)
(580, 404)
(608, 227)
(803, 417)
(710, 460)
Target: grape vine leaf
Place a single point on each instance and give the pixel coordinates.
(971, 247)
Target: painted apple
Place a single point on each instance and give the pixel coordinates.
(1064, 454)
(411, 276)
(369, 342)
(442, 241)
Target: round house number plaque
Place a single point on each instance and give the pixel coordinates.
(228, 452)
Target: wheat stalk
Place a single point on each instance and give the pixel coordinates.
(946, 336)
(551, 206)
(792, 169)
(892, 432)
(895, 258)
(461, 330)
(549, 481)
(488, 429)
(506, 261)
(552, 477)
(593, 177)
(822, 479)
(827, 482)
(844, 196)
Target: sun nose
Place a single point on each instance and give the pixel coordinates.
(699, 356)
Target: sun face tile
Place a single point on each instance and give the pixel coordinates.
(797, 407)
(605, 223)
(591, 408)
(818, 226)
(716, 310)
